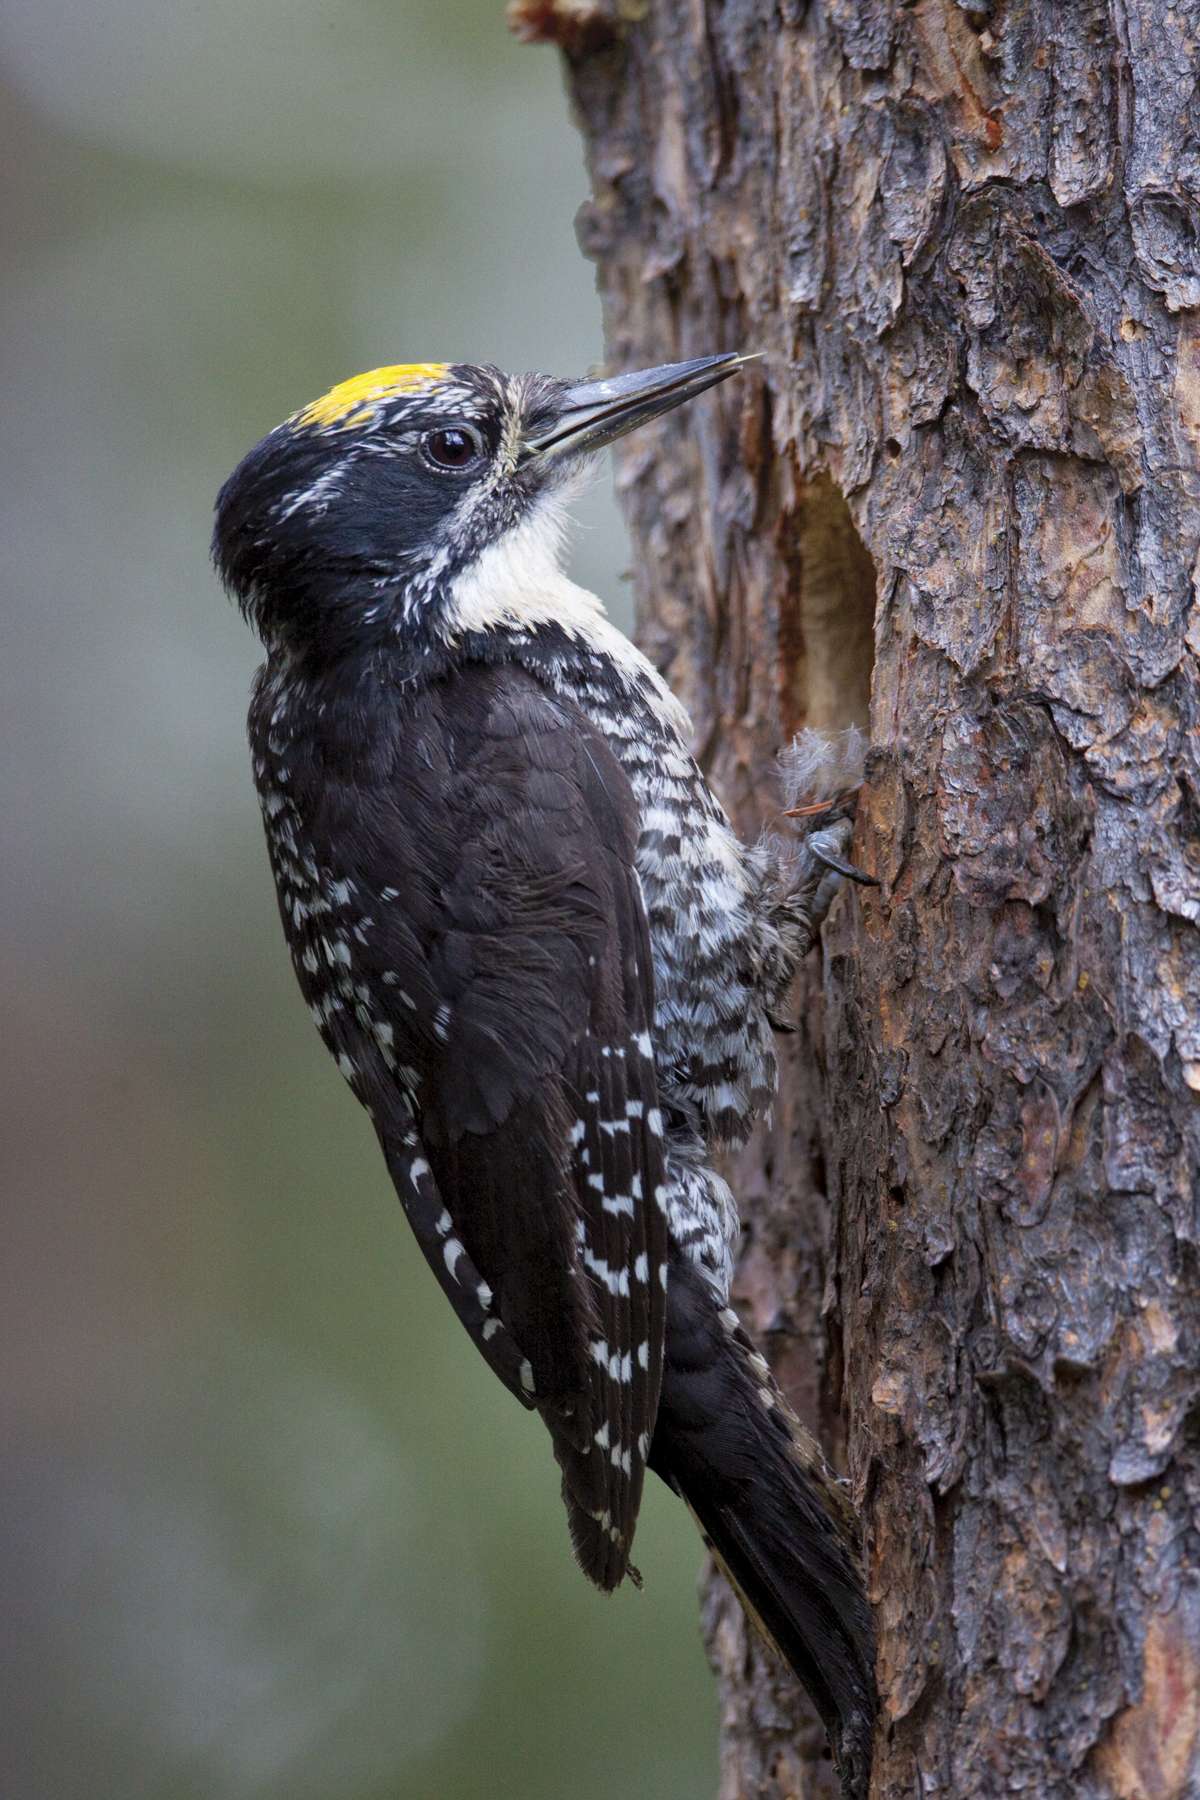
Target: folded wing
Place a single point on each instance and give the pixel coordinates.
(498, 1029)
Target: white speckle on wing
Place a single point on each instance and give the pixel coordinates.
(615, 1280)
(617, 1365)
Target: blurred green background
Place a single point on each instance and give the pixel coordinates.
(270, 1528)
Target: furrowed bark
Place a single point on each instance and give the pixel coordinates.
(967, 241)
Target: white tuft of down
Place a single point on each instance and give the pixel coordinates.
(821, 765)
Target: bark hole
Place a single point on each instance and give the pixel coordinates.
(827, 629)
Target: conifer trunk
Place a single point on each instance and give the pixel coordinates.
(958, 496)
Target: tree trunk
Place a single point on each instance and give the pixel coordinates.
(963, 479)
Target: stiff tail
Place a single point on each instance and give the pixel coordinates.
(775, 1517)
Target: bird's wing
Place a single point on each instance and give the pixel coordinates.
(501, 977)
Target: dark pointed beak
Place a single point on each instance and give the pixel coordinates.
(596, 413)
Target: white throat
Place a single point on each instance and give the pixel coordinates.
(518, 584)
(518, 581)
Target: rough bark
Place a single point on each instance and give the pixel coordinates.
(966, 239)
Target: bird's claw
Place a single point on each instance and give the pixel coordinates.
(840, 866)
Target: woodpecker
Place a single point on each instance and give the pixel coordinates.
(542, 959)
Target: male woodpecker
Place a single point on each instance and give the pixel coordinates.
(542, 959)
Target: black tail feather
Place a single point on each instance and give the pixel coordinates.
(776, 1518)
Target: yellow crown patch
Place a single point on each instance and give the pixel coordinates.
(353, 401)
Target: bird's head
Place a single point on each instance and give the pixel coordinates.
(396, 502)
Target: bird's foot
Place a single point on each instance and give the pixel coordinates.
(822, 868)
(838, 864)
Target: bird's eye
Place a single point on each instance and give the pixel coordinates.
(453, 449)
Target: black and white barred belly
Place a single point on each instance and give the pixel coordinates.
(712, 940)
(710, 930)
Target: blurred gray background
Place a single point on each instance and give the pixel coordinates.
(269, 1527)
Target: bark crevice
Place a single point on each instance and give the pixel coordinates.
(827, 614)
